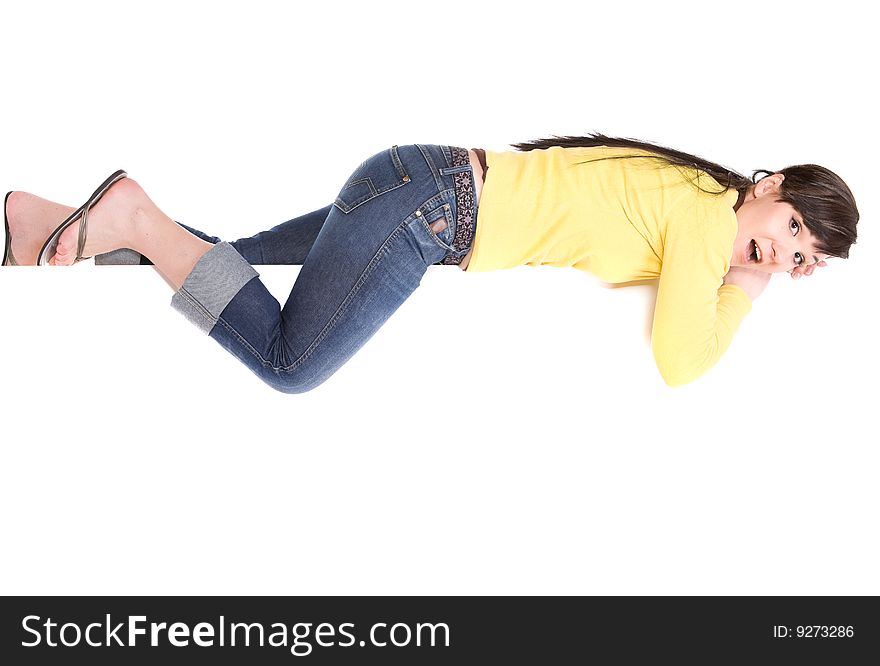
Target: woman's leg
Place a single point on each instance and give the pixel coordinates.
(32, 219)
(287, 243)
(394, 217)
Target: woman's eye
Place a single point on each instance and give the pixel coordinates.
(798, 257)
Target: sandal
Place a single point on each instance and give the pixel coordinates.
(82, 214)
(7, 253)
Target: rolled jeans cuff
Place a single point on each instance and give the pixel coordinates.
(214, 281)
(120, 257)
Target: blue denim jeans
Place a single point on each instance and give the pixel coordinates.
(361, 257)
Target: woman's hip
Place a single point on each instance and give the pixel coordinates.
(428, 188)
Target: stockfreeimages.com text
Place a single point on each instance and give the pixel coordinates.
(134, 631)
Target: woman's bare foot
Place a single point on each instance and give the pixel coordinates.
(31, 220)
(111, 223)
(124, 217)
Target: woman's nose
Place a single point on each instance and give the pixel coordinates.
(783, 255)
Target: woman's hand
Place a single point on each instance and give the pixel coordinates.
(751, 281)
(805, 269)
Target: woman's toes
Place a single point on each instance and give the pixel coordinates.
(109, 222)
(67, 245)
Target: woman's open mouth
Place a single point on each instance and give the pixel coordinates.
(754, 253)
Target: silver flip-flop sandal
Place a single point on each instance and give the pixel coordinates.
(7, 253)
(81, 214)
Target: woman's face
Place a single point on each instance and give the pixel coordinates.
(777, 228)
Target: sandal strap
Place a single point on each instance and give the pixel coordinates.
(83, 230)
(9, 255)
(8, 248)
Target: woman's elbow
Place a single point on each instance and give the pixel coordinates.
(675, 370)
(675, 378)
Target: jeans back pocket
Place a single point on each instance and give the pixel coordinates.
(439, 224)
(376, 175)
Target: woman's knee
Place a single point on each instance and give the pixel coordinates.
(301, 379)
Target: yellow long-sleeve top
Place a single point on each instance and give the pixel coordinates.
(621, 220)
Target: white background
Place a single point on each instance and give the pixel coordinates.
(504, 432)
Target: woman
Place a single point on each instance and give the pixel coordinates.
(619, 208)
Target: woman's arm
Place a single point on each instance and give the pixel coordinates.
(751, 281)
(696, 314)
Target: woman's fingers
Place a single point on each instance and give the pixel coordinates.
(806, 270)
(812, 267)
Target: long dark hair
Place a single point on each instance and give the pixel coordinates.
(826, 204)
